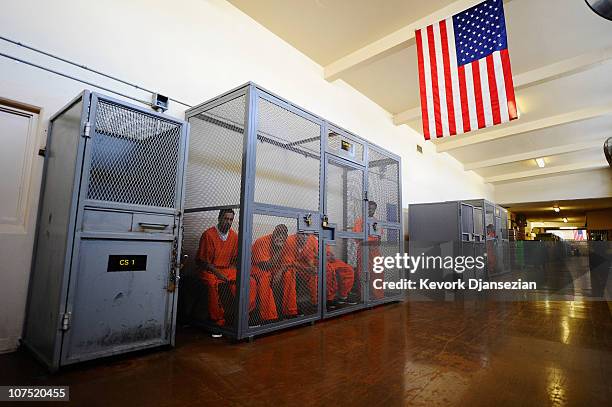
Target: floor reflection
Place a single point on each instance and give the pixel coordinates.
(427, 353)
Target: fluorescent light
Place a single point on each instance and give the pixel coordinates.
(568, 228)
(540, 162)
(556, 208)
(564, 220)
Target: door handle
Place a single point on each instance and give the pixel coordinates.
(156, 226)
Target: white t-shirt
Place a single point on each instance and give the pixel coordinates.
(222, 236)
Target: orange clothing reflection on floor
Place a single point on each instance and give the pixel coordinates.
(222, 255)
(273, 276)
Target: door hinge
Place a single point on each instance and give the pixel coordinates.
(86, 129)
(66, 320)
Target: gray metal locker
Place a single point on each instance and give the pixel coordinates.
(469, 228)
(277, 172)
(108, 234)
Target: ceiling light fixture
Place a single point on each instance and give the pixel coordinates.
(540, 162)
(556, 208)
(564, 220)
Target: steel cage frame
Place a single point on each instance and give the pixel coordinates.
(248, 206)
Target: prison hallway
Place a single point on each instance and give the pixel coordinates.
(419, 353)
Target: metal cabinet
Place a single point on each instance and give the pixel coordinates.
(469, 228)
(108, 233)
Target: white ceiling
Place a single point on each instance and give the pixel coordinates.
(561, 55)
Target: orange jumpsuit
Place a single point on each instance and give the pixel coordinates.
(340, 277)
(262, 252)
(303, 261)
(222, 255)
(374, 251)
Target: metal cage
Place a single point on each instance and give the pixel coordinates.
(108, 233)
(461, 228)
(292, 185)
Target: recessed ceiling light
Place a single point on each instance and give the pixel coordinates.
(564, 220)
(540, 162)
(556, 208)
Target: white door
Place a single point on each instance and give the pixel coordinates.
(20, 172)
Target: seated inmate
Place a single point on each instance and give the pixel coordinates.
(217, 257)
(301, 255)
(272, 277)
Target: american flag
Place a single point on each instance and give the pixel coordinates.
(464, 72)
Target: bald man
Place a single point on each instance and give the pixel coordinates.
(216, 258)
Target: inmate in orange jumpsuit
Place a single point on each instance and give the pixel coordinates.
(340, 276)
(374, 251)
(222, 255)
(262, 252)
(303, 260)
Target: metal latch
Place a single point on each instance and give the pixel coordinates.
(86, 130)
(66, 321)
(308, 219)
(375, 226)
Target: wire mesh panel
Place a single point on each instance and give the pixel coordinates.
(387, 245)
(467, 222)
(284, 264)
(383, 186)
(478, 225)
(288, 157)
(344, 195)
(209, 287)
(215, 155)
(343, 275)
(134, 157)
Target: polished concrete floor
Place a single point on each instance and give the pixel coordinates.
(475, 353)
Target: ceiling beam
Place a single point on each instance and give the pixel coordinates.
(562, 68)
(518, 127)
(535, 77)
(530, 155)
(587, 165)
(407, 116)
(401, 38)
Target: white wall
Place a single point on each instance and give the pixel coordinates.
(193, 50)
(579, 185)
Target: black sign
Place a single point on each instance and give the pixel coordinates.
(128, 262)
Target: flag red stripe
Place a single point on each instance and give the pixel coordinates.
(478, 94)
(434, 80)
(512, 109)
(493, 90)
(465, 112)
(447, 79)
(422, 87)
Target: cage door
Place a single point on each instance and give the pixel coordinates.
(345, 223)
